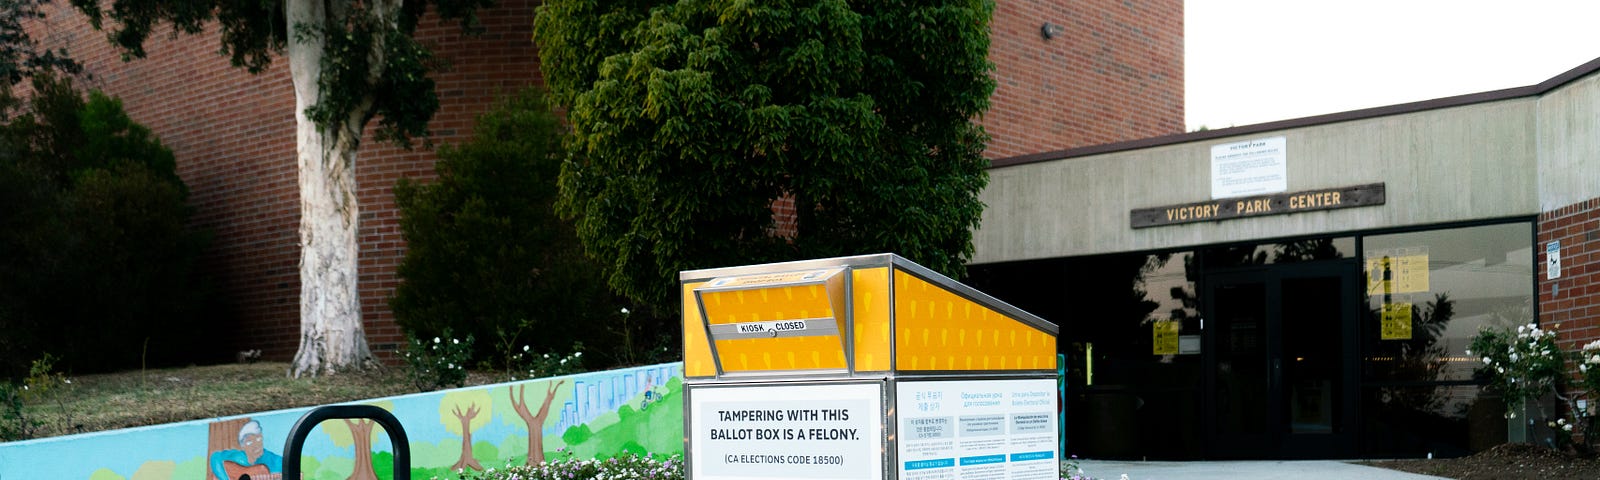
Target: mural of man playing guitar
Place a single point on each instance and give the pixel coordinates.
(251, 461)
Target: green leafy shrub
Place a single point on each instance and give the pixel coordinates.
(437, 364)
(1529, 364)
(15, 424)
(486, 253)
(100, 260)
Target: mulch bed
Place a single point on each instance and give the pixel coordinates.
(1512, 461)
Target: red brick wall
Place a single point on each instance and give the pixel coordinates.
(1574, 299)
(233, 134)
(1114, 73)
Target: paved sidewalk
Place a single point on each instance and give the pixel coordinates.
(1242, 470)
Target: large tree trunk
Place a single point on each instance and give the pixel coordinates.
(331, 334)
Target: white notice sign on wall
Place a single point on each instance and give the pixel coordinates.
(978, 429)
(804, 431)
(1252, 167)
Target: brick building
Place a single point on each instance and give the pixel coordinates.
(1322, 275)
(1113, 71)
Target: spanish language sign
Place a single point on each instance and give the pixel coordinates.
(802, 431)
(978, 430)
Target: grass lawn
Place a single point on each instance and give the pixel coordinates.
(135, 398)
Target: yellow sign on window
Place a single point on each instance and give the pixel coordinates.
(1397, 274)
(1165, 336)
(1397, 321)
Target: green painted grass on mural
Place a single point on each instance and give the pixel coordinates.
(635, 431)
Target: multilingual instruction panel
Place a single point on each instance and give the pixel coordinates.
(978, 430)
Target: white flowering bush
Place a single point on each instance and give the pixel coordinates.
(628, 467)
(1522, 365)
(529, 363)
(1589, 370)
(438, 363)
(1529, 364)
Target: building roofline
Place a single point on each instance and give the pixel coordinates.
(1541, 88)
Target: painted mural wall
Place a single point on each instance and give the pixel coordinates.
(592, 415)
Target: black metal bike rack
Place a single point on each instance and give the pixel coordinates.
(302, 428)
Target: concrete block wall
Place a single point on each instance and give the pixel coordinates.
(611, 413)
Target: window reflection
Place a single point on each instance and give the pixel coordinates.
(1293, 251)
(1428, 294)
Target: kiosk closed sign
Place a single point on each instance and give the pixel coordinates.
(802, 431)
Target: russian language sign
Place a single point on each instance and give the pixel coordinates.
(801, 431)
(977, 430)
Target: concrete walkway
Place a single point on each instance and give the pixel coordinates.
(1242, 470)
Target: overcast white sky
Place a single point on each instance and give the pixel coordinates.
(1255, 61)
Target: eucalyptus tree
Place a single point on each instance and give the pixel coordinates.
(692, 118)
(350, 60)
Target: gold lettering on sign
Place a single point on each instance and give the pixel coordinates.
(1193, 212)
(1253, 206)
(1315, 200)
(1275, 204)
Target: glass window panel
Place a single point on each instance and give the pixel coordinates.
(1124, 400)
(1428, 293)
(1446, 421)
(1293, 251)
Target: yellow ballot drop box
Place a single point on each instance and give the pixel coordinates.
(867, 367)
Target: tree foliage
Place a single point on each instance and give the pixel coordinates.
(486, 254)
(99, 263)
(254, 31)
(691, 118)
(349, 61)
(20, 56)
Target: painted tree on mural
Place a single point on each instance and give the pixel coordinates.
(357, 433)
(691, 120)
(350, 61)
(462, 412)
(534, 421)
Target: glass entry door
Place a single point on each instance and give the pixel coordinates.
(1280, 372)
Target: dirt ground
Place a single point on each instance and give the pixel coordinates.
(1505, 462)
